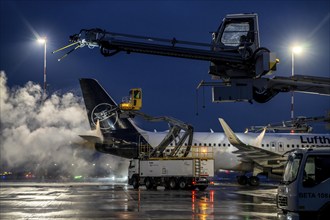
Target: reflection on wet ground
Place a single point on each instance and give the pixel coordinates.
(119, 201)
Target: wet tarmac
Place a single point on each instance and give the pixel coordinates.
(119, 201)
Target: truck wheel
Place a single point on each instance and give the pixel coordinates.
(167, 183)
(148, 182)
(173, 183)
(242, 180)
(183, 183)
(253, 181)
(193, 187)
(202, 188)
(135, 182)
(324, 212)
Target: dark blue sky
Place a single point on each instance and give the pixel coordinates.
(168, 83)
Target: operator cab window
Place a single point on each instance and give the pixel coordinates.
(236, 34)
(131, 164)
(316, 170)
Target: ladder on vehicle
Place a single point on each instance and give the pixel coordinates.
(179, 132)
(197, 166)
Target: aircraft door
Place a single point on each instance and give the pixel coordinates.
(280, 147)
(273, 146)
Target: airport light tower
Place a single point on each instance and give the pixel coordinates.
(44, 42)
(295, 50)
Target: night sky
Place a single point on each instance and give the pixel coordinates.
(168, 83)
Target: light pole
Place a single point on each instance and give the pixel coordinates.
(44, 42)
(295, 50)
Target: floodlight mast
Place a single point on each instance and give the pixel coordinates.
(44, 42)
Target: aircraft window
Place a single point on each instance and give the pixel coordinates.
(195, 144)
(210, 144)
(292, 145)
(205, 144)
(136, 94)
(267, 145)
(228, 145)
(224, 145)
(200, 144)
(167, 150)
(214, 144)
(185, 144)
(297, 145)
(262, 145)
(281, 145)
(288, 145)
(171, 144)
(273, 145)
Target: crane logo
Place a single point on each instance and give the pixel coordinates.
(106, 114)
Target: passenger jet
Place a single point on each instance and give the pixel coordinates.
(251, 152)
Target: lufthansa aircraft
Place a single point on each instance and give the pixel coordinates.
(257, 153)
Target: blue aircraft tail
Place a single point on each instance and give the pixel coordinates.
(120, 136)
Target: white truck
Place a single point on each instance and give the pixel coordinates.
(172, 173)
(304, 192)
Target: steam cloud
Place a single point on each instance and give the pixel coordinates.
(39, 134)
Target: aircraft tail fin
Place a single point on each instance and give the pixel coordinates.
(110, 133)
(102, 108)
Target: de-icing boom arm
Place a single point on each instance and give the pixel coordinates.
(234, 51)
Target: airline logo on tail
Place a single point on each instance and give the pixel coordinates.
(106, 114)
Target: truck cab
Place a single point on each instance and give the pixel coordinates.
(304, 192)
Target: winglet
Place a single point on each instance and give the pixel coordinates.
(233, 139)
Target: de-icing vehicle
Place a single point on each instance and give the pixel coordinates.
(154, 167)
(239, 66)
(304, 192)
(234, 53)
(193, 171)
(192, 168)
